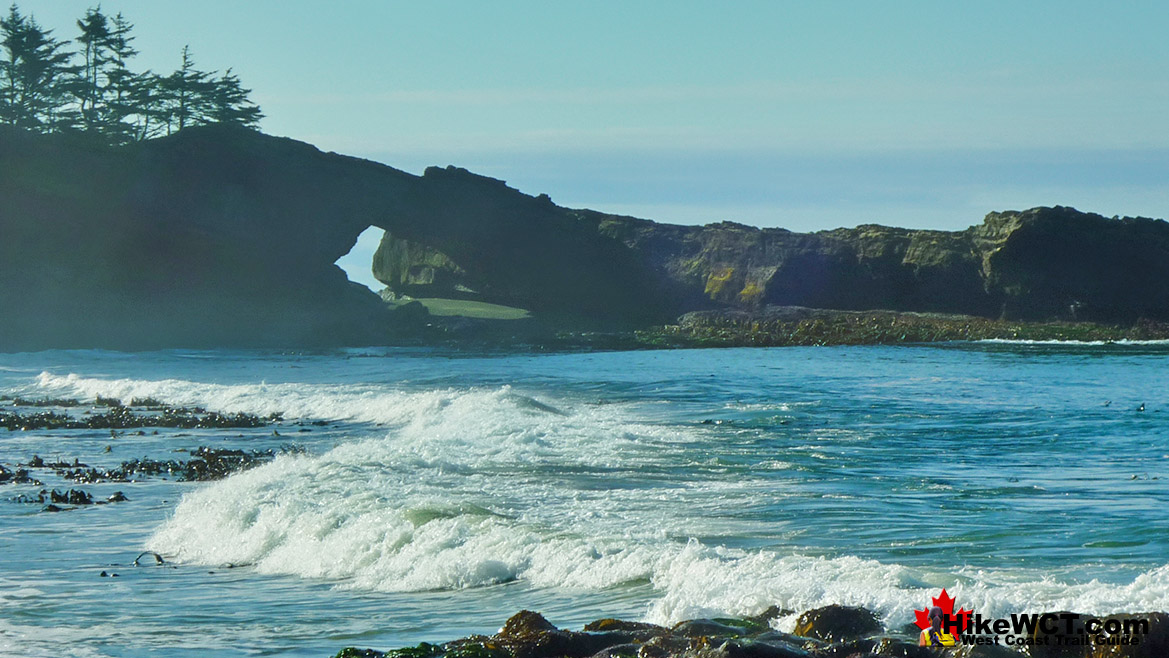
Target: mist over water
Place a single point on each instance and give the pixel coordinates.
(455, 490)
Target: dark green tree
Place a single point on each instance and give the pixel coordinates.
(92, 84)
(185, 95)
(121, 82)
(230, 102)
(41, 89)
(35, 76)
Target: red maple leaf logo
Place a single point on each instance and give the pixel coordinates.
(946, 603)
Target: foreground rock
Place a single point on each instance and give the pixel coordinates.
(829, 632)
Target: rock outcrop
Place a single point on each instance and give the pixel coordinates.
(1039, 264)
(227, 237)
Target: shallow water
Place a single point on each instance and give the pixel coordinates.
(450, 490)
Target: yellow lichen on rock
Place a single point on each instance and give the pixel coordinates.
(717, 280)
(751, 293)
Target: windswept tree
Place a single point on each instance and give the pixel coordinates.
(121, 82)
(41, 89)
(229, 102)
(104, 83)
(90, 86)
(35, 76)
(184, 97)
(190, 97)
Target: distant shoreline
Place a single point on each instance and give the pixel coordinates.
(796, 326)
(784, 326)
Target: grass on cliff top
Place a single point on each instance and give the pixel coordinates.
(471, 309)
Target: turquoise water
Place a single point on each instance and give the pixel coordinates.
(447, 491)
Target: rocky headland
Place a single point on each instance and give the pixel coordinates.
(225, 237)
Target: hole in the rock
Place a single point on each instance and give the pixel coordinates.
(358, 263)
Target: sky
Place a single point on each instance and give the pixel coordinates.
(803, 115)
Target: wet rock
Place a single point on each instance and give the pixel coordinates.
(779, 637)
(476, 646)
(16, 476)
(1151, 645)
(619, 651)
(888, 646)
(983, 651)
(206, 464)
(911, 630)
(423, 650)
(39, 421)
(1061, 643)
(529, 635)
(71, 497)
(771, 613)
(610, 624)
(707, 628)
(850, 649)
(837, 623)
(569, 644)
(750, 649)
(45, 402)
(665, 645)
(351, 652)
(118, 417)
(525, 623)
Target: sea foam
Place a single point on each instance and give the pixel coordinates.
(466, 488)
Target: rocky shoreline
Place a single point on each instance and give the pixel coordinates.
(795, 326)
(772, 326)
(833, 631)
(139, 417)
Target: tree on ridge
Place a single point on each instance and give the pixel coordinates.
(42, 90)
(35, 75)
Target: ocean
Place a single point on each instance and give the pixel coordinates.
(431, 494)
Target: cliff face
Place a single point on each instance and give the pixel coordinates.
(220, 237)
(1057, 262)
(1040, 264)
(227, 237)
(212, 238)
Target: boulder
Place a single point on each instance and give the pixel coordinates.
(837, 623)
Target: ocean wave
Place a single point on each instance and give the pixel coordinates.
(474, 488)
(467, 488)
(372, 528)
(1076, 343)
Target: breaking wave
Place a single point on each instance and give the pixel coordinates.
(466, 488)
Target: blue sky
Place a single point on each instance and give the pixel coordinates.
(806, 115)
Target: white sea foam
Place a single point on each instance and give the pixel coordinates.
(353, 402)
(1075, 343)
(330, 518)
(467, 488)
